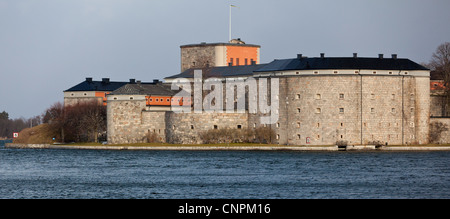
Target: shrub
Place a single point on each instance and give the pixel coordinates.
(217, 136)
(342, 143)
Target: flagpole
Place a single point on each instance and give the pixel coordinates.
(231, 6)
(230, 26)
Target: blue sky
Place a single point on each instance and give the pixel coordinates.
(47, 46)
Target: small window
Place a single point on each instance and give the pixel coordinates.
(356, 72)
(393, 96)
(278, 125)
(74, 94)
(342, 124)
(278, 137)
(240, 126)
(335, 72)
(216, 127)
(162, 100)
(297, 73)
(151, 99)
(298, 125)
(115, 98)
(131, 98)
(374, 72)
(168, 100)
(254, 125)
(342, 136)
(157, 100)
(318, 110)
(316, 72)
(341, 110)
(85, 94)
(372, 96)
(298, 110)
(192, 126)
(318, 125)
(299, 136)
(318, 96)
(406, 72)
(318, 136)
(297, 96)
(393, 110)
(341, 96)
(372, 110)
(390, 72)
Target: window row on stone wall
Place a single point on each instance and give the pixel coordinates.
(341, 96)
(342, 124)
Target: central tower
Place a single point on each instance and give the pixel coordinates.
(233, 53)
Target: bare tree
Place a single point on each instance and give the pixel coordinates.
(440, 62)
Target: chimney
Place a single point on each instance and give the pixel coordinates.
(380, 56)
(138, 82)
(155, 81)
(105, 80)
(253, 62)
(89, 80)
(322, 55)
(132, 81)
(355, 55)
(299, 56)
(394, 56)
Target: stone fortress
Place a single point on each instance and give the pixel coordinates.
(321, 100)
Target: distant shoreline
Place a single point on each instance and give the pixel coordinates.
(230, 148)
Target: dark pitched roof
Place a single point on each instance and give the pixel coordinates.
(156, 89)
(341, 63)
(222, 72)
(90, 85)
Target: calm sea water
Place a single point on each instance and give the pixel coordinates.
(222, 174)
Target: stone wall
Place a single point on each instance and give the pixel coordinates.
(184, 128)
(197, 57)
(320, 110)
(438, 102)
(130, 122)
(314, 110)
